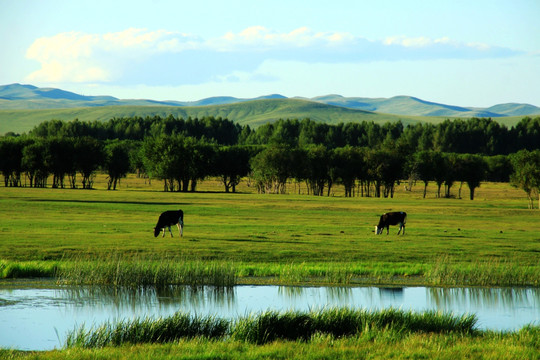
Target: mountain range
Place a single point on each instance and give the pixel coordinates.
(18, 96)
(22, 107)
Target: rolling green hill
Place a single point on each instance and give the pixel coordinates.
(409, 105)
(253, 113)
(24, 106)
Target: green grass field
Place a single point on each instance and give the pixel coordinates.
(80, 235)
(282, 238)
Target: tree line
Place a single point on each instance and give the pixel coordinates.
(367, 159)
(473, 136)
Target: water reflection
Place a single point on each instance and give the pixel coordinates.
(148, 298)
(483, 297)
(31, 317)
(392, 294)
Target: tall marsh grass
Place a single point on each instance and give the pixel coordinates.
(338, 322)
(148, 330)
(494, 272)
(344, 273)
(27, 269)
(117, 271)
(268, 326)
(121, 270)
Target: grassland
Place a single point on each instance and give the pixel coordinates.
(251, 113)
(101, 236)
(271, 238)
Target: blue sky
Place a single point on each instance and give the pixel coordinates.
(469, 53)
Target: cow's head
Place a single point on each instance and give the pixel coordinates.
(378, 230)
(156, 232)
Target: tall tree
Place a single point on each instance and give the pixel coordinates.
(347, 165)
(11, 153)
(61, 160)
(527, 173)
(117, 163)
(88, 158)
(424, 165)
(35, 162)
(452, 171)
(499, 168)
(272, 167)
(473, 171)
(231, 164)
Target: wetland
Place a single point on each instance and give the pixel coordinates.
(39, 315)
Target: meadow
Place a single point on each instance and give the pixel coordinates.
(287, 239)
(106, 237)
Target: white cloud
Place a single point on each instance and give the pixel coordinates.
(66, 57)
(80, 57)
(141, 56)
(419, 42)
(260, 38)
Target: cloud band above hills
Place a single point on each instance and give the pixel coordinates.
(136, 56)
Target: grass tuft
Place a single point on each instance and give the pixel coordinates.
(338, 322)
(148, 330)
(117, 271)
(28, 269)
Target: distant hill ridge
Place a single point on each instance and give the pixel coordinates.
(27, 97)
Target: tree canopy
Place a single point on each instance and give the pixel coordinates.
(367, 158)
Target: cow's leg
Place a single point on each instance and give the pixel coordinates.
(180, 228)
(163, 235)
(170, 231)
(387, 229)
(400, 227)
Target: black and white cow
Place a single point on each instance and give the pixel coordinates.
(168, 219)
(391, 218)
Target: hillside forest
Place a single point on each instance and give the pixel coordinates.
(366, 158)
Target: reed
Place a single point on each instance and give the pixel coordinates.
(272, 325)
(492, 272)
(344, 273)
(338, 322)
(27, 269)
(148, 330)
(268, 326)
(119, 271)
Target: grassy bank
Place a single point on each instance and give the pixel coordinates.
(267, 327)
(330, 334)
(100, 236)
(158, 274)
(386, 344)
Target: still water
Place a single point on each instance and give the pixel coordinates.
(36, 317)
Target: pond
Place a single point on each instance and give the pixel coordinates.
(37, 316)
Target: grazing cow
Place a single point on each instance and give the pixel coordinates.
(168, 219)
(391, 218)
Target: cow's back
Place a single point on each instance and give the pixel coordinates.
(171, 217)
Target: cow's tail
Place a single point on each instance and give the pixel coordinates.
(404, 218)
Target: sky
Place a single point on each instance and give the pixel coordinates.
(468, 53)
